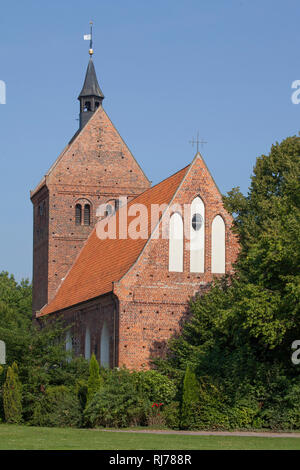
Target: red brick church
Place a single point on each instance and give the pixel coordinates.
(125, 295)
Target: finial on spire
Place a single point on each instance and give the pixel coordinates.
(91, 40)
(89, 37)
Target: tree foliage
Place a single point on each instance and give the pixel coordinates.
(239, 336)
(190, 399)
(94, 380)
(12, 396)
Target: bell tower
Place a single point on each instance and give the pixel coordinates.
(96, 167)
(91, 96)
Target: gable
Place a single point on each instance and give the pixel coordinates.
(97, 155)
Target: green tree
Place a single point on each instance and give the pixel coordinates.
(94, 380)
(12, 396)
(190, 400)
(268, 226)
(240, 333)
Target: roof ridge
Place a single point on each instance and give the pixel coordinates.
(162, 181)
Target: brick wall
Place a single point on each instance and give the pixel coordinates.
(92, 315)
(153, 301)
(96, 166)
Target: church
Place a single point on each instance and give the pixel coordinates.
(115, 258)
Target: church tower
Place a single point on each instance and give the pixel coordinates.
(96, 167)
(91, 96)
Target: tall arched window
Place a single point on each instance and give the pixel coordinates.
(78, 214)
(104, 346)
(69, 345)
(176, 243)
(197, 236)
(87, 214)
(87, 344)
(218, 245)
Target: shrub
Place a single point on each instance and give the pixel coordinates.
(81, 390)
(58, 407)
(118, 403)
(94, 381)
(155, 387)
(190, 400)
(12, 396)
(171, 415)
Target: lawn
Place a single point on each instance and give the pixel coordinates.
(34, 438)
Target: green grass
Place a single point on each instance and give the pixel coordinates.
(34, 438)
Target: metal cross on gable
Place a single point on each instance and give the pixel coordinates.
(197, 141)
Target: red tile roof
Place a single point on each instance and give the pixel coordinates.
(102, 262)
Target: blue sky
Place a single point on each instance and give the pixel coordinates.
(168, 68)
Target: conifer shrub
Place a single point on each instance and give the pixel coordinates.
(190, 400)
(12, 396)
(95, 380)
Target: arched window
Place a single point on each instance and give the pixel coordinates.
(87, 344)
(87, 214)
(97, 104)
(104, 346)
(197, 236)
(78, 214)
(176, 243)
(109, 210)
(218, 245)
(69, 345)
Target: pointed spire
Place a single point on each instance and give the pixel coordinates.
(91, 85)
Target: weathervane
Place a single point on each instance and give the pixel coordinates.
(197, 141)
(89, 37)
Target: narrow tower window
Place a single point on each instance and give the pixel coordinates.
(108, 210)
(87, 106)
(87, 214)
(78, 214)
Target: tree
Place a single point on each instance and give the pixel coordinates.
(12, 396)
(240, 333)
(190, 400)
(94, 380)
(15, 316)
(268, 226)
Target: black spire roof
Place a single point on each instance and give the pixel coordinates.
(91, 85)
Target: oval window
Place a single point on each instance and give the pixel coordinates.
(197, 221)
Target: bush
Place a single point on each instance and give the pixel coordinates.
(58, 407)
(12, 396)
(190, 400)
(94, 381)
(171, 415)
(282, 411)
(155, 387)
(81, 390)
(118, 403)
